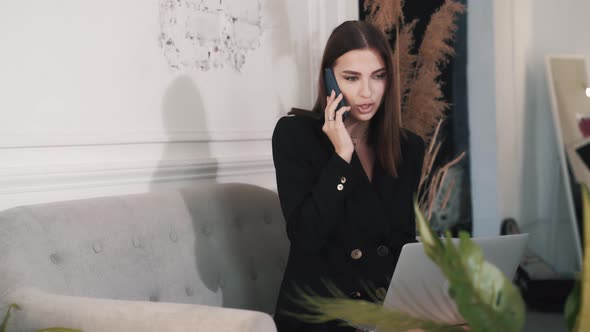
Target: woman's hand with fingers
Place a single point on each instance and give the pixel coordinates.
(334, 127)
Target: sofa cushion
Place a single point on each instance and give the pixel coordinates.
(215, 244)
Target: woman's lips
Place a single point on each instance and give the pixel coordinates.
(365, 108)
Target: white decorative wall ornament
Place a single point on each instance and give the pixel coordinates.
(206, 34)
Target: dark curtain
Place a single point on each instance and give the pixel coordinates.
(455, 132)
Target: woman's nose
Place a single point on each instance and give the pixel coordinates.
(365, 90)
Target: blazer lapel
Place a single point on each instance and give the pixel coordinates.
(385, 186)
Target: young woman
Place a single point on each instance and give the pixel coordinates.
(346, 186)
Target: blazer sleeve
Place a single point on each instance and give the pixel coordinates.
(313, 202)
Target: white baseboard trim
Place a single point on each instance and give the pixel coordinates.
(61, 177)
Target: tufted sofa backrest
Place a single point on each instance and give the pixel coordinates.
(217, 244)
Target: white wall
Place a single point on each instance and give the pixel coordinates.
(90, 104)
(557, 28)
(481, 82)
(525, 175)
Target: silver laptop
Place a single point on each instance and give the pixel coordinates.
(420, 289)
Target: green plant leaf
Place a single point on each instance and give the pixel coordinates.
(359, 313)
(7, 316)
(572, 306)
(488, 301)
(582, 311)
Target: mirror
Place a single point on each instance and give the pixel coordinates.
(570, 98)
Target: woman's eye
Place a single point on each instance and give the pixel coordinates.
(380, 76)
(351, 78)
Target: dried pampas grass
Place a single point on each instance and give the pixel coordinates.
(407, 60)
(385, 14)
(424, 105)
(417, 75)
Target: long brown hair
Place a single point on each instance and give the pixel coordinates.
(384, 129)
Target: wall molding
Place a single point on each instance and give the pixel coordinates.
(61, 139)
(42, 178)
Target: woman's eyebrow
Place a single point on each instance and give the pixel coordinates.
(352, 72)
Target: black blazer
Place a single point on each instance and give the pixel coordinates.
(342, 228)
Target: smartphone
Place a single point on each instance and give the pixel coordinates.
(331, 84)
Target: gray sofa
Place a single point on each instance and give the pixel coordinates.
(202, 258)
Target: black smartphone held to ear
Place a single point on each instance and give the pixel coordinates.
(331, 84)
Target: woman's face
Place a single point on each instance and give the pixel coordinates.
(362, 77)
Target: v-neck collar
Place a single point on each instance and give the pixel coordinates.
(356, 163)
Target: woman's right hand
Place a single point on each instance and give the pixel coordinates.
(334, 127)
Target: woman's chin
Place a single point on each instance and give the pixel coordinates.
(362, 117)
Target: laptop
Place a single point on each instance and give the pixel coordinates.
(419, 288)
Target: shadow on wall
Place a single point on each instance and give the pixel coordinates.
(529, 171)
(183, 116)
(290, 56)
(237, 232)
(241, 243)
(239, 252)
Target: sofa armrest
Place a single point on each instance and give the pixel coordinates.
(43, 310)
